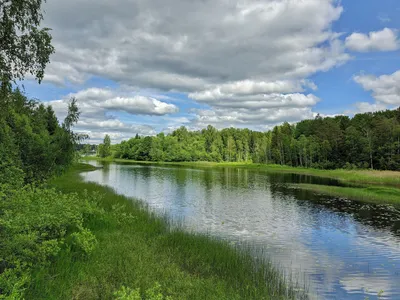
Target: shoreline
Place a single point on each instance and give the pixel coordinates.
(354, 176)
(379, 187)
(142, 251)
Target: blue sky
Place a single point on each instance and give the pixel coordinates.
(151, 66)
(336, 87)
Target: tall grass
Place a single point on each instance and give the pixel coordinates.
(137, 249)
(376, 195)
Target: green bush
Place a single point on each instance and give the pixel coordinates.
(83, 241)
(35, 224)
(126, 293)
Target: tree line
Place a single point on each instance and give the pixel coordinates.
(367, 140)
(33, 145)
(36, 222)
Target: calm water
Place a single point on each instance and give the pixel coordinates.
(342, 249)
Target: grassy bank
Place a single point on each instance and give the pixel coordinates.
(375, 195)
(138, 250)
(390, 178)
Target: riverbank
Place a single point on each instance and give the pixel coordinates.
(138, 252)
(372, 186)
(372, 194)
(388, 178)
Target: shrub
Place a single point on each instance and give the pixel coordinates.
(126, 293)
(83, 241)
(35, 224)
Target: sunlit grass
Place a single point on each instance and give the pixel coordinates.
(146, 250)
(376, 195)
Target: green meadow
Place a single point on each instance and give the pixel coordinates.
(139, 253)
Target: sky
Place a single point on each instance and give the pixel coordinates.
(149, 66)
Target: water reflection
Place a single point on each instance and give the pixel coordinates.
(379, 216)
(346, 249)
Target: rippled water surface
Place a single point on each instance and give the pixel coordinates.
(342, 249)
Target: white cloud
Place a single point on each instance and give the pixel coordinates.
(261, 119)
(255, 102)
(144, 43)
(95, 101)
(97, 106)
(139, 105)
(384, 40)
(246, 61)
(364, 107)
(249, 87)
(385, 89)
(97, 137)
(117, 130)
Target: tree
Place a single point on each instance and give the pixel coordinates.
(104, 149)
(67, 140)
(24, 46)
(86, 149)
(371, 139)
(32, 140)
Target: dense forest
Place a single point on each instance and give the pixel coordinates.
(34, 146)
(36, 222)
(368, 140)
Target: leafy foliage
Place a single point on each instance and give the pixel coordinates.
(24, 46)
(34, 222)
(33, 146)
(35, 225)
(104, 150)
(370, 140)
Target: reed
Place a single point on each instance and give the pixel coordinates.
(138, 249)
(375, 195)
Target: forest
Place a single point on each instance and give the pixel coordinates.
(64, 238)
(34, 146)
(367, 140)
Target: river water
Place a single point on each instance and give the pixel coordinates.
(340, 249)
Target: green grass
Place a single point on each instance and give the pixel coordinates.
(376, 195)
(144, 250)
(373, 177)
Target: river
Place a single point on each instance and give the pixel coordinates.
(340, 249)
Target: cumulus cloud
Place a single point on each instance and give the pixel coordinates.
(144, 43)
(385, 89)
(139, 105)
(254, 103)
(246, 61)
(97, 137)
(261, 119)
(96, 101)
(363, 107)
(255, 95)
(97, 106)
(96, 129)
(384, 40)
(250, 87)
